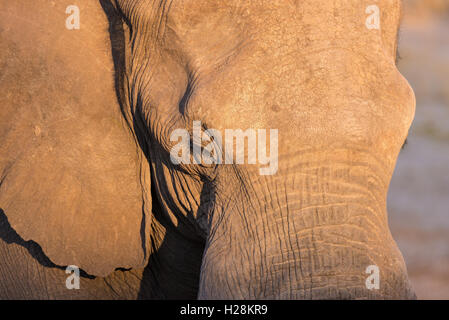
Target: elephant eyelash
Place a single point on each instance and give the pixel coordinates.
(405, 144)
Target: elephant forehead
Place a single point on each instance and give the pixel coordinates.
(196, 21)
(203, 27)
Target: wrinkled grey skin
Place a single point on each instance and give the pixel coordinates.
(310, 69)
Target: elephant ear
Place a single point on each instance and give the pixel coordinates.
(70, 171)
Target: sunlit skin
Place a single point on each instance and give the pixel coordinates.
(87, 174)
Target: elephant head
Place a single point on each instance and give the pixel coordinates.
(87, 131)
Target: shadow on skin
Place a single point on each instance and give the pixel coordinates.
(173, 268)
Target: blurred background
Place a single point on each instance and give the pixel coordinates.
(418, 199)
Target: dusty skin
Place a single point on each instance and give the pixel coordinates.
(85, 172)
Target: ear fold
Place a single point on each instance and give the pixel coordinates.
(70, 170)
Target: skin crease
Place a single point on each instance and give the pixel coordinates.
(310, 69)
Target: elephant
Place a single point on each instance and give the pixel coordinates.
(87, 177)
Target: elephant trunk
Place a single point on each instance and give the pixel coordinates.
(313, 230)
